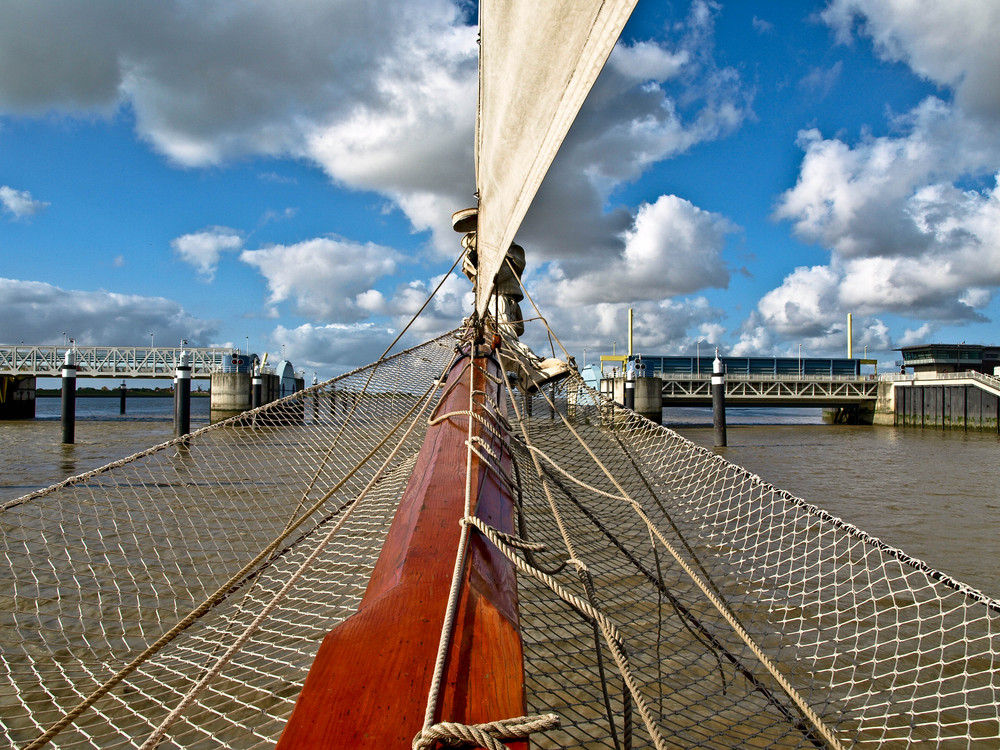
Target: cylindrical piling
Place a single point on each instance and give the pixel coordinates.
(121, 399)
(182, 396)
(69, 398)
(718, 402)
(630, 386)
(258, 384)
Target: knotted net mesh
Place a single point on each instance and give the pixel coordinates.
(125, 586)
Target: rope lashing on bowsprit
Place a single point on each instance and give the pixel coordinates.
(489, 735)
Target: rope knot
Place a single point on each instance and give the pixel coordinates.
(487, 735)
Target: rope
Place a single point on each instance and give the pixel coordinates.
(715, 600)
(487, 735)
(154, 739)
(444, 641)
(208, 603)
(609, 630)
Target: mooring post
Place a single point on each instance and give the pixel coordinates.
(258, 385)
(630, 385)
(121, 397)
(182, 396)
(69, 397)
(718, 402)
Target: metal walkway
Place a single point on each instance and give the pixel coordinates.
(112, 361)
(771, 390)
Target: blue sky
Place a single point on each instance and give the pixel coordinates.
(743, 175)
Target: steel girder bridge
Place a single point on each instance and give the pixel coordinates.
(771, 390)
(112, 361)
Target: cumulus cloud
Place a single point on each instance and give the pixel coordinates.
(673, 248)
(204, 249)
(335, 346)
(952, 44)
(19, 203)
(38, 313)
(654, 100)
(671, 325)
(328, 279)
(381, 95)
(911, 219)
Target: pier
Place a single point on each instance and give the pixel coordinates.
(792, 382)
(228, 369)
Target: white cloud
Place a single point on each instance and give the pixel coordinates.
(19, 203)
(952, 44)
(673, 325)
(907, 234)
(335, 347)
(204, 249)
(380, 94)
(673, 248)
(38, 313)
(328, 279)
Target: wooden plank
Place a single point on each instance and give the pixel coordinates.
(369, 683)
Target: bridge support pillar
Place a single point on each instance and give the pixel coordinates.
(17, 396)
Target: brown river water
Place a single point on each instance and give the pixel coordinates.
(933, 493)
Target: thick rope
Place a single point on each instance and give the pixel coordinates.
(609, 630)
(824, 731)
(484, 735)
(212, 600)
(154, 739)
(444, 641)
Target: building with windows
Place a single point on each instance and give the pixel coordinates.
(951, 358)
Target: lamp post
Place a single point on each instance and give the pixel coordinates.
(150, 340)
(800, 360)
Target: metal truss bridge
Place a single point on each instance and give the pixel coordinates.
(771, 390)
(112, 361)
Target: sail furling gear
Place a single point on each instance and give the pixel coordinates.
(505, 304)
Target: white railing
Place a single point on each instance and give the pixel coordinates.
(990, 381)
(111, 361)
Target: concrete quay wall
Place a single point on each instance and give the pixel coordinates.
(962, 406)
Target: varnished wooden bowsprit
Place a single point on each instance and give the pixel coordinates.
(369, 683)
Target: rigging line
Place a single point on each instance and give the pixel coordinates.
(609, 630)
(700, 632)
(212, 600)
(718, 602)
(584, 574)
(522, 423)
(552, 334)
(444, 640)
(157, 735)
(659, 503)
(371, 374)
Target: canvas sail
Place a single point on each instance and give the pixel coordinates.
(537, 63)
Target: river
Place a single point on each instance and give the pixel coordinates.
(933, 493)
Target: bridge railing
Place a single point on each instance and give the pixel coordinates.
(990, 381)
(111, 361)
(759, 377)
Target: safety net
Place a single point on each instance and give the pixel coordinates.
(672, 599)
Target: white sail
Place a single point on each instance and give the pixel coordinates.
(537, 62)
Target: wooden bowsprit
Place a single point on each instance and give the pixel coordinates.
(369, 683)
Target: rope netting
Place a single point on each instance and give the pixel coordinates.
(678, 601)
(879, 647)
